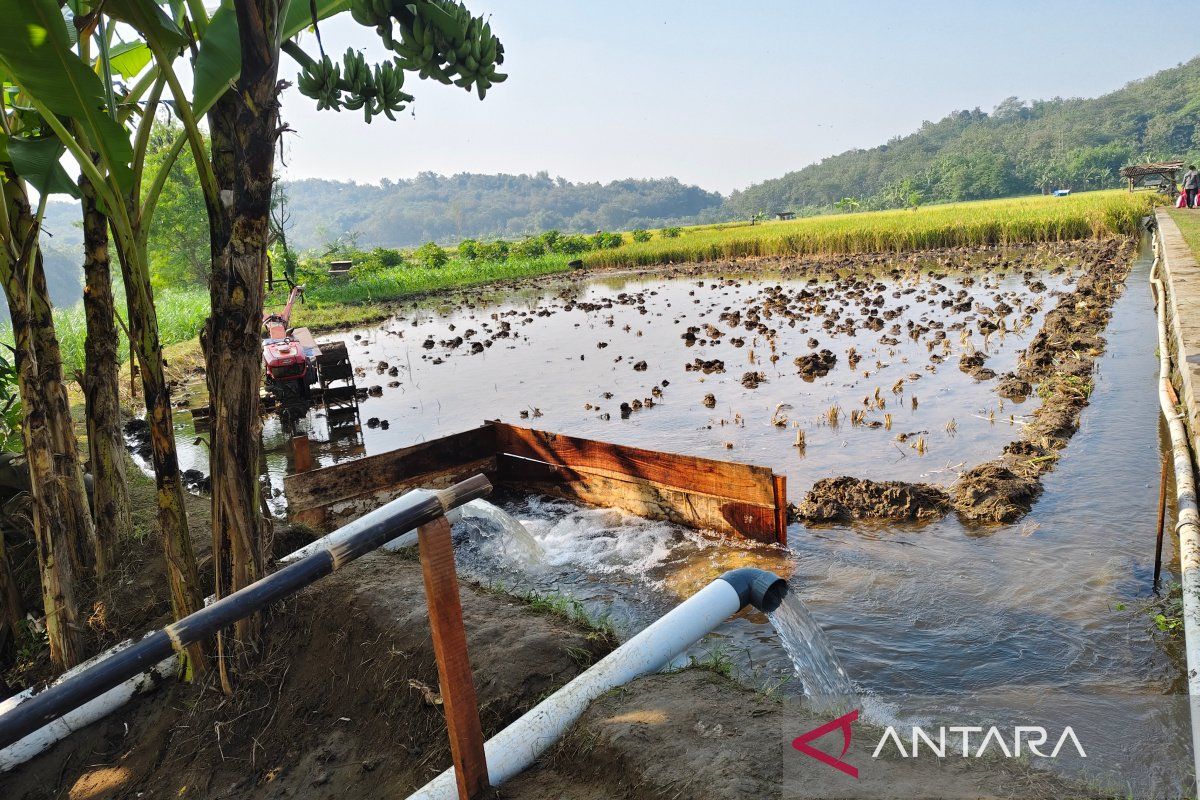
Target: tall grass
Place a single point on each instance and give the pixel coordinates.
(181, 315)
(985, 222)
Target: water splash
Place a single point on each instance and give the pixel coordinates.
(821, 674)
(514, 540)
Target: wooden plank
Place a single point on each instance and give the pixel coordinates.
(459, 700)
(641, 497)
(302, 459)
(325, 517)
(329, 485)
(737, 482)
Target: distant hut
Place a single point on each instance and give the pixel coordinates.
(1160, 176)
(785, 215)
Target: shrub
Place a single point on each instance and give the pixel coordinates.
(671, 232)
(431, 255)
(550, 239)
(571, 245)
(469, 249)
(387, 257)
(603, 240)
(493, 251)
(641, 235)
(529, 248)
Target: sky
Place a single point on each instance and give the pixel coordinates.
(723, 95)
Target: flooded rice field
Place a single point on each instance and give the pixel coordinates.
(886, 371)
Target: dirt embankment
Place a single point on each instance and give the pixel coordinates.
(343, 704)
(1059, 362)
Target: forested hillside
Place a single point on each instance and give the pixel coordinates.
(433, 207)
(1019, 148)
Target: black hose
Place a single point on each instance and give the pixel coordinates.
(73, 692)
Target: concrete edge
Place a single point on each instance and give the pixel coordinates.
(1181, 277)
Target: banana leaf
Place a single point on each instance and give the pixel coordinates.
(38, 161)
(36, 53)
(129, 59)
(149, 20)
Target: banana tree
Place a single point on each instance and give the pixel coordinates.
(239, 48)
(77, 106)
(61, 524)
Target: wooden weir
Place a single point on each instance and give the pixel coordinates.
(702, 493)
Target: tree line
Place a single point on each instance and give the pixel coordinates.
(1019, 148)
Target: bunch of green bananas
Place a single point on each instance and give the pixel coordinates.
(355, 85)
(464, 52)
(321, 80)
(439, 39)
(372, 13)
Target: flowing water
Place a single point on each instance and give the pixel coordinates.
(1046, 621)
(824, 680)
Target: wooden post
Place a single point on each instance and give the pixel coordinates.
(301, 453)
(454, 668)
(781, 508)
(1162, 514)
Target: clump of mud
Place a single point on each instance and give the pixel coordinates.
(973, 365)
(815, 365)
(845, 498)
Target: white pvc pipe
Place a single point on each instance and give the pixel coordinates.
(100, 707)
(515, 748)
(1187, 519)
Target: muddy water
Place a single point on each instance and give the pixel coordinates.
(1041, 622)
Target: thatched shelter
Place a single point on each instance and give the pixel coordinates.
(1153, 176)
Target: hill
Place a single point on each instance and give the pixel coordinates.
(440, 208)
(1019, 148)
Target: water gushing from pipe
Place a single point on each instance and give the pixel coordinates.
(825, 682)
(518, 543)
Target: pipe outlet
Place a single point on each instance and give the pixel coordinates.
(757, 587)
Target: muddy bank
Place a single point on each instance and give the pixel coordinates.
(843, 499)
(1059, 362)
(343, 704)
(694, 736)
(1057, 365)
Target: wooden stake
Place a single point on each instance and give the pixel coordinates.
(301, 453)
(781, 508)
(454, 668)
(1162, 518)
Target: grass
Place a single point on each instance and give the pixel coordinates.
(363, 298)
(1188, 220)
(984, 222)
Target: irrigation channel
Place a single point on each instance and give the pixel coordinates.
(1046, 621)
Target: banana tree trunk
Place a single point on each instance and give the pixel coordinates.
(53, 534)
(110, 493)
(183, 575)
(244, 128)
(76, 513)
(11, 607)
